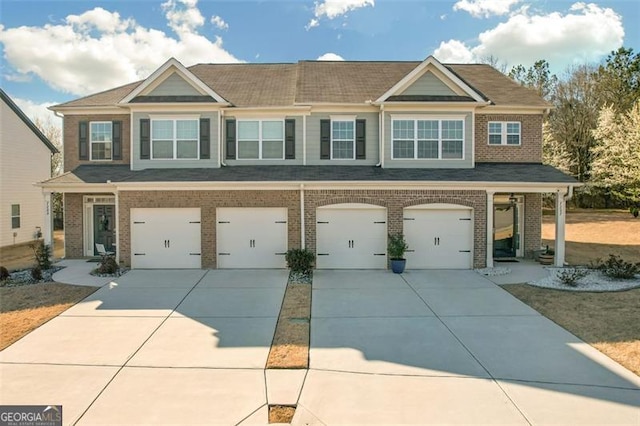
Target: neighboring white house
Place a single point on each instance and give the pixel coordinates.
(25, 158)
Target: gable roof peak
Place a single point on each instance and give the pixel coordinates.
(27, 121)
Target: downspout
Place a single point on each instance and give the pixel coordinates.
(304, 142)
(303, 243)
(220, 156)
(381, 137)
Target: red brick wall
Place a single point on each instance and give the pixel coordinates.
(73, 218)
(70, 131)
(207, 201)
(532, 223)
(395, 201)
(529, 150)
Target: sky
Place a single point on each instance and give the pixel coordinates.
(56, 50)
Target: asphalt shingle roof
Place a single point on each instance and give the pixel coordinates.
(306, 82)
(483, 172)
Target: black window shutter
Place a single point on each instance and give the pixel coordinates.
(325, 139)
(116, 140)
(145, 139)
(361, 140)
(290, 139)
(83, 140)
(230, 138)
(205, 139)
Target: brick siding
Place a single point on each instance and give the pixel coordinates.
(395, 201)
(207, 201)
(73, 218)
(532, 223)
(529, 150)
(70, 131)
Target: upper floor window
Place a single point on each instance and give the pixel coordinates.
(504, 133)
(427, 138)
(101, 140)
(260, 140)
(15, 216)
(343, 139)
(174, 138)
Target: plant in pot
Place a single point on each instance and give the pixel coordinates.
(546, 258)
(396, 248)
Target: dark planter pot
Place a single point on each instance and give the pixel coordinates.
(397, 265)
(546, 259)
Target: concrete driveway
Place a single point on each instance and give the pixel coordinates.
(154, 347)
(450, 347)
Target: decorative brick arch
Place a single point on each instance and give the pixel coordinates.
(433, 200)
(352, 200)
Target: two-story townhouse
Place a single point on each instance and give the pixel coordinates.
(228, 166)
(25, 158)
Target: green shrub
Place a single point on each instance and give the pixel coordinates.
(36, 273)
(618, 268)
(571, 276)
(634, 211)
(300, 260)
(396, 246)
(42, 254)
(107, 266)
(4, 273)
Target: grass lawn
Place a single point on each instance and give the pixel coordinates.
(607, 321)
(25, 308)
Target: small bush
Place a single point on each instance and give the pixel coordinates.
(396, 246)
(634, 211)
(300, 260)
(36, 273)
(571, 276)
(618, 268)
(42, 254)
(4, 273)
(107, 266)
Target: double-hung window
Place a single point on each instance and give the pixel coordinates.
(15, 216)
(174, 138)
(343, 139)
(260, 139)
(101, 140)
(504, 133)
(417, 138)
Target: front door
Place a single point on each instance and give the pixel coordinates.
(506, 236)
(103, 227)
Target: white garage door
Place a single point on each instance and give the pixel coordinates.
(251, 237)
(440, 236)
(351, 236)
(165, 238)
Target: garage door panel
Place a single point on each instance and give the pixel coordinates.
(166, 238)
(439, 238)
(252, 237)
(351, 238)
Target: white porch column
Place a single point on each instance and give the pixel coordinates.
(561, 207)
(490, 229)
(47, 225)
(116, 228)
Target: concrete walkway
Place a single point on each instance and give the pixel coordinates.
(154, 347)
(450, 347)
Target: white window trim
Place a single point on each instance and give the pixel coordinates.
(440, 119)
(347, 118)
(260, 140)
(91, 141)
(174, 118)
(504, 133)
(19, 216)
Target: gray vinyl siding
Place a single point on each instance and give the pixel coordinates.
(297, 161)
(428, 84)
(139, 164)
(174, 85)
(372, 140)
(467, 162)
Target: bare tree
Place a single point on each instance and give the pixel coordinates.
(54, 134)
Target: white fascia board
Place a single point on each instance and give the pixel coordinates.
(346, 185)
(346, 108)
(90, 110)
(418, 71)
(512, 109)
(78, 187)
(185, 73)
(174, 107)
(430, 106)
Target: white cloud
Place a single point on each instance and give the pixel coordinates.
(98, 49)
(585, 33)
(38, 111)
(219, 22)
(330, 57)
(332, 9)
(485, 8)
